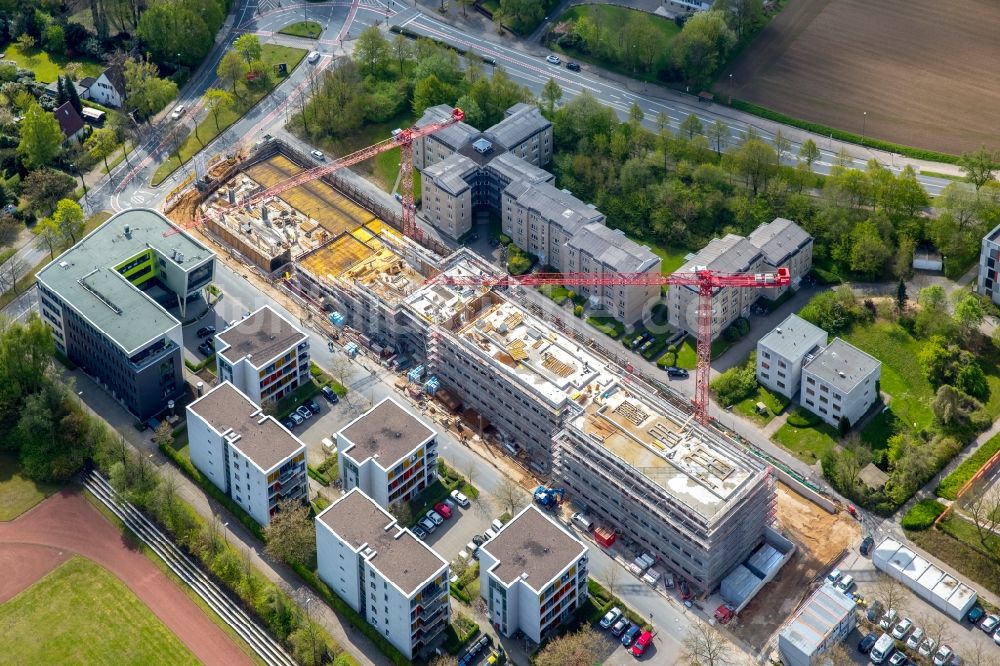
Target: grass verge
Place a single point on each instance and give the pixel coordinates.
(840, 135)
(247, 97)
(951, 484)
(808, 444)
(922, 515)
(607, 325)
(18, 493)
(774, 402)
(307, 29)
(89, 616)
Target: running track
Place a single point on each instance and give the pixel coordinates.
(66, 521)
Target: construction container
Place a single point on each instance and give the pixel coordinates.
(936, 587)
(605, 536)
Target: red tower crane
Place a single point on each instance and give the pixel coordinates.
(402, 139)
(705, 281)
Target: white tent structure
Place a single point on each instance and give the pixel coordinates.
(938, 588)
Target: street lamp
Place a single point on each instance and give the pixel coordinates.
(730, 89)
(864, 126)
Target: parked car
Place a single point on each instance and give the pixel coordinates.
(679, 373)
(434, 516)
(205, 331)
(478, 539)
(318, 154)
(619, 627)
(552, 60)
(846, 583)
(866, 643)
(629, 636)
(330, 395)
(610, 617)
(944, 656)
(888, 619)
(313, 57)
(572, 66)
(685, 590)
(472, 547)
(874, 611)
(496, 525)
(298, 420)
(927, 647)
(996, 637)
(898, 658)
(900, 631)
(642, 643)
(866, 546)
(428, 525)
(834, 576)
(976, 613)
(442, 510)
(460, 497)
(288, 423)
(990, 623)
(312, 406)
(304, 412)
(489, 534)
(178, 111)
(419, 532)
(915, 639)
(206, 349)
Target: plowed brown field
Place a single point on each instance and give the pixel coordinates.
(924, 71)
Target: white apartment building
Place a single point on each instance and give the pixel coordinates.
(391, 578)
(841, 380)
(989, 255)
(533, 575)
(781, 352)
(600, 249)
(248, 455)
(264, 355)
(784, 245)
(387, 452)
(730, 254)
(822, 622)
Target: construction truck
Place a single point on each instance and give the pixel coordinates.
(549, 497)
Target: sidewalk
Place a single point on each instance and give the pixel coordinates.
(100, 404)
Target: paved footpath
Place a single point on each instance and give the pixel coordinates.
(68, 522)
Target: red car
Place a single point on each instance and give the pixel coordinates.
(640, 645)
(443, 509)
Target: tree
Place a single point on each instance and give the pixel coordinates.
(41, 138)
(756, 162)
(613, 578)
(900, 297)
(703, 645)
(933, 298)
(718, 134)
(551, 94)
(73, 97)
(809, 152)
(291, 535)
(48, 236)
(11, 271)
(44, 187)
(444, 659)
(979, 165)
(430, 91)
(889, 591)
(402, 50)
(101, 144)
(371, 50)
(163, 436)
(984, 510)
(146, 93)
(701, 46)
(781, 144)
(584, 647)
(690, 127)
(249, 48)
(969, 313)
(869, 251)
(68, 217)
(218, 100)
(232, 69)
(509, 495)
(902, 265)
(465, 4)
(61, 97)
(25, 42)
(936, 626)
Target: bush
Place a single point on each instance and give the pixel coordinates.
(922, 515)
(951, 484)
(504, 239)
(737, 383)
(578, 311)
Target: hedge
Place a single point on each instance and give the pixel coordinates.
(344, 610)
(188, 468)
(840, 135)
(951, 484)
(318, 475)
(453, 643)
(922, 515)
(198, 367)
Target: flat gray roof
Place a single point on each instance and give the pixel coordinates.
(398, 555)
(521, 122)
(779, 240)
(512, 167)
(453, 136)
(729, 254)
(533, 544)
(450, 173)
(794, 337)
(551, 203)
(816, 618)
(85, 277)
(842, 365)
(387, 430)
(261, 438)
(613, 248)
(261, 336)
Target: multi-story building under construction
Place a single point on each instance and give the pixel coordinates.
(680, 491)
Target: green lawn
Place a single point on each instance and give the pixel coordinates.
(774, 402)
(902, 377)
(617, 21)
(687, 354)
(951, 484)
(80, 613)
(556, 292)
(807, 444)
(207, 129)
(17, 493)
(607, 325)
(307, 29)
(673, 257)
(46, 66)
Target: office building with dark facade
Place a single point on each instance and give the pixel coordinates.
(106, 300)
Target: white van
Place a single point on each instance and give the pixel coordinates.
(883, 647)
(496, 525)
(582, 521)
(328, 446)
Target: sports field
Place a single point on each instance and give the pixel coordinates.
(922, 70)
(87, 616)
